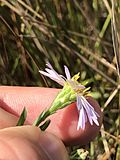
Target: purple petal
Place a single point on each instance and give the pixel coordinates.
(75, 85)
(88, 111)
(96, 122)
(81, 86)
(82, 119)
(79, 103)
(52, 71)
(90, 106)
(67, 72)
(44, 73)
(49, 65)
(91, 114)
(52, 74)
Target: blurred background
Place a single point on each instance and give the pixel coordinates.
(82, 34)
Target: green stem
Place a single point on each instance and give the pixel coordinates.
(41, 118)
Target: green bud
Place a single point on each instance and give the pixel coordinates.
(65, 97)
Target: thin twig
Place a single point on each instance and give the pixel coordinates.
(86, 62)
(115, 39)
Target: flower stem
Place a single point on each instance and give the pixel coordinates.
(41, 117)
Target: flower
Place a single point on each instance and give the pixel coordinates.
(72, 91)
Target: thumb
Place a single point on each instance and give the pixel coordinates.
(28, 142)
(36, 99)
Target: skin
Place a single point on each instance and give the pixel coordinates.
(33, 143)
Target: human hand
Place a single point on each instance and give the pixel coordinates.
(29, 143)
(63, 123)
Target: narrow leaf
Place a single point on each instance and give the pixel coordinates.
(22, 117)
(45, 125)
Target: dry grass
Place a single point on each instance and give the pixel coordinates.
(84, 35)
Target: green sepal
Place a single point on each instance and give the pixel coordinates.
(65, 97)
(44, 126)
(22, 117)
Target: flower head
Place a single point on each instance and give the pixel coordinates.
(72, 91)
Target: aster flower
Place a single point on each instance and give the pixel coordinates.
(72, 91)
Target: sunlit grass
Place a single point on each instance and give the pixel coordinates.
(77, 34)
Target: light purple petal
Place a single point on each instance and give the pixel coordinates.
(52, 71)
(51, 68)
(79, 103)
(44, 73)
(49, 65)
(82, 119)
(96, 122)
(91, 114)
(88, 111)
(90, 106)
(75, 85)
(67, 72)
(81, 86)
(52, 74)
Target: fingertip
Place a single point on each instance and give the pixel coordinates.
(53, 146)
(33, 144)
(83, 137)
(64, 125)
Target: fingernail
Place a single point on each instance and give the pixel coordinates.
(52, 147)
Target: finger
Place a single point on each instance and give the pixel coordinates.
(28, 142)
(63, 123)
(7, 119)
